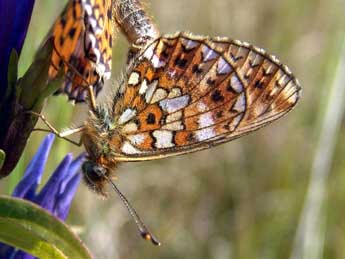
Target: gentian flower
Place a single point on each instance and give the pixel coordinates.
(15, 19)
(56, 196)
(18, 96)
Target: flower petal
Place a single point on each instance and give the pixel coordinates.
(6, 251)
(22, 255)
(47, 198)
(15, 18)
(56, 196)
(65, 199)
(73, 169)
(26, 188)
(68, 188)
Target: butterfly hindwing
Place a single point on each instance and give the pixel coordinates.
(82, 46)
(186, 93)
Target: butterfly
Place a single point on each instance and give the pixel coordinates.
(186, 93)
(82, 39)
(181, 94)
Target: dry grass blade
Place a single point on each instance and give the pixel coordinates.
(310, 233)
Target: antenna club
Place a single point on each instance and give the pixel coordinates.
(149, 237)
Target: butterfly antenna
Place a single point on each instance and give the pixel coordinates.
(144, 232)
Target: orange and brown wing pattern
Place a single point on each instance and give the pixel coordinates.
(187, 93)
(82, 46)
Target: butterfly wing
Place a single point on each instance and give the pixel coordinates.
(186, 93)
(82, 46)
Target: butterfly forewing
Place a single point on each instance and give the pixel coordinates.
(186, 93)
(82, 43)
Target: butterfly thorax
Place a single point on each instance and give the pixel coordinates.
(101, 140)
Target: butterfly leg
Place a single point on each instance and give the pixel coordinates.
(62, 134)
(92, 98)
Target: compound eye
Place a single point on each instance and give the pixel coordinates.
(100, 171)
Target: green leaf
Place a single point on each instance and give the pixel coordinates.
(51, 87)
(28, 227)
(32, 86)
(12, 73)
(2, 158)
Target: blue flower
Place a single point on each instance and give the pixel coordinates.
(15, 19)
(17, 96)
(56, 196)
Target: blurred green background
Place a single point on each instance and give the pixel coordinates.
(239, 200)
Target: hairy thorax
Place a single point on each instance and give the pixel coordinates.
(101, 137)
(101, 140)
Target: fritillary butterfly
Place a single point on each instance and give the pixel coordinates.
(181, 94)
(82, 40)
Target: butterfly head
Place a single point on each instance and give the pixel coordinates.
(95, 176)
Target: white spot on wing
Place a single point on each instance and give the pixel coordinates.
(149, 51)
(158, 95)
(172, 105)
(97, 54)
(100, 68)
(133, 78)
(163, 138)
(206, 120)
(129, 127)
(236, 84)
(240, 105)
(128, 148)
(223, 67)
(143, 87)
(150, 90)
(204, 134)
(156, 62)
(127, 115)
(137, 139)
(177, 125)
(174, 117)
(91, 39)
(175, 92)
(173, 121)
(92, 21)
(98, 30)
(202, 107)
(88, 9)
(189, 44)
(208, 53)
